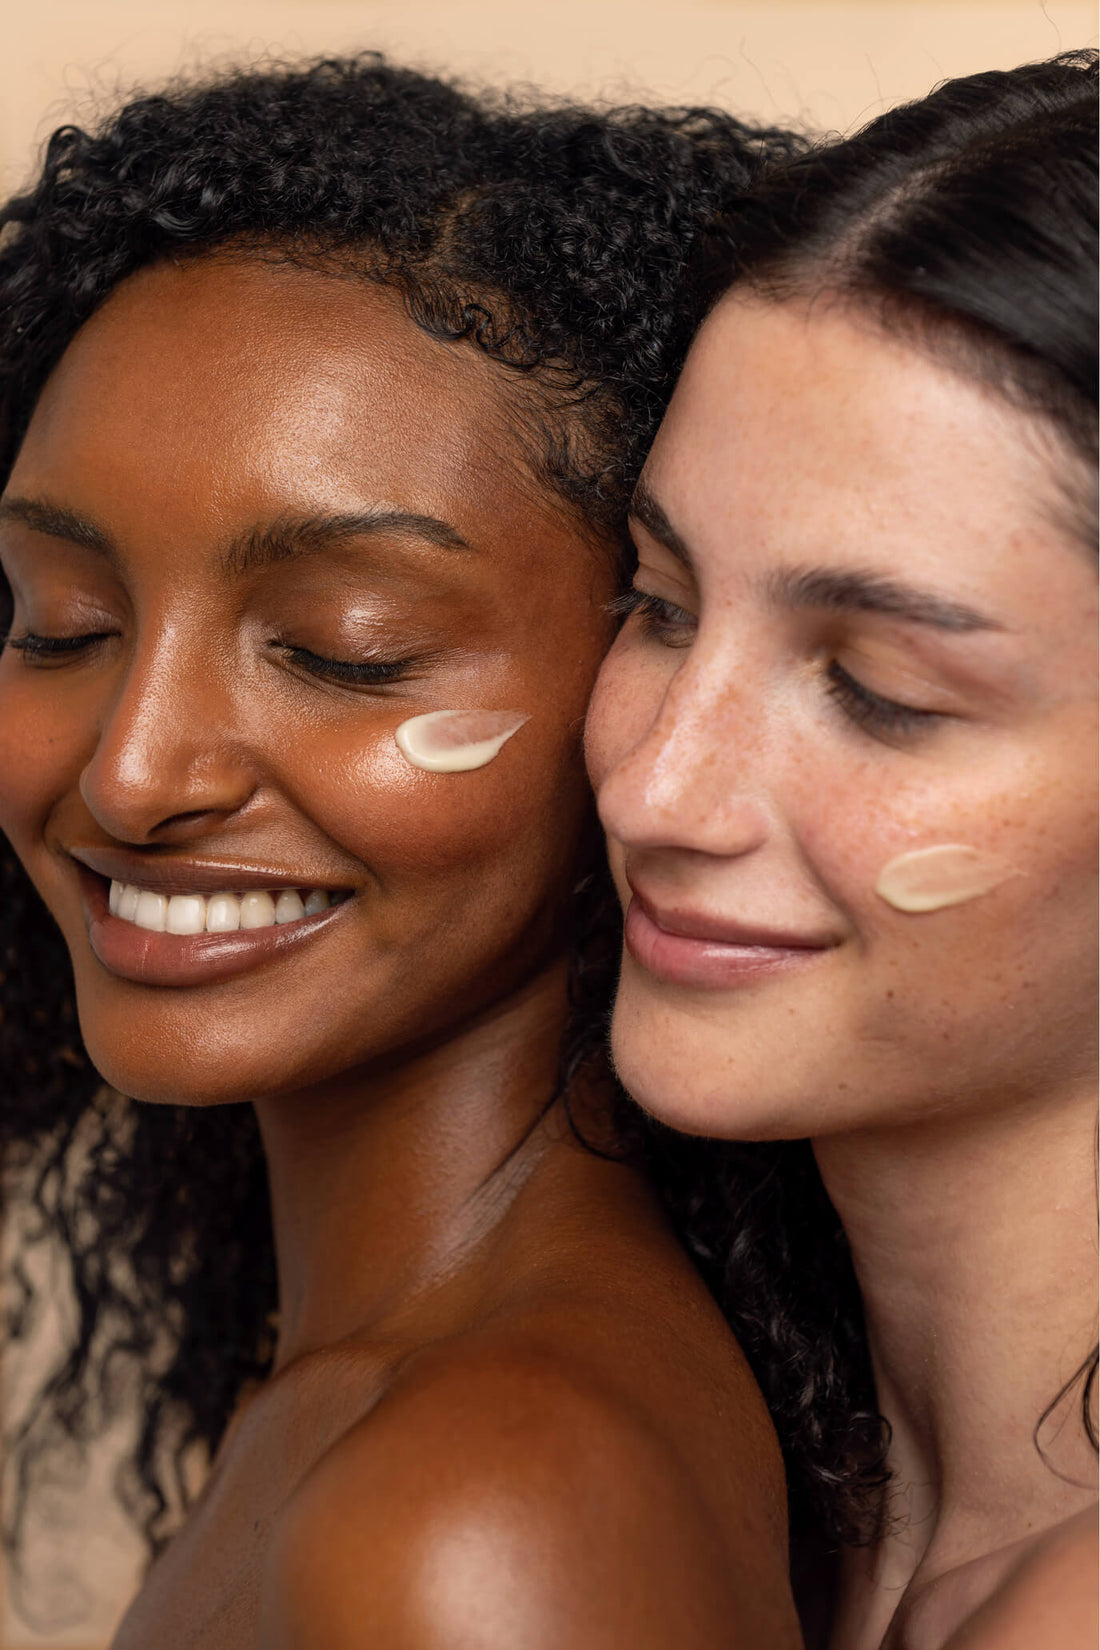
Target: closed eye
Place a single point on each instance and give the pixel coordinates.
(671, 624)
(46, 649)
(351, 672)
(872, 710)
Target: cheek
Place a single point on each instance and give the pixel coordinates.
(625, 703)
(850, 821)
(409, 825)
(1039, 831)
(42, 750)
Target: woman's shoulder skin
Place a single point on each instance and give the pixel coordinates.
(513, 1489)
(577, 1456)
(1037, 1592)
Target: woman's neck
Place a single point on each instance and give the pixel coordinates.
(974, 1241)
(384, 1184)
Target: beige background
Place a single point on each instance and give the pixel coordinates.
(826, 62)
(822, 63)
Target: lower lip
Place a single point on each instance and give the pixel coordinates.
(710, 964)
(148, 958)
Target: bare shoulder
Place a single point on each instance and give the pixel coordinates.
(503, 1494)
(1047, 1597)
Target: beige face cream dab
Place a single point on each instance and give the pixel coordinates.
(454, 741)
(929, 879)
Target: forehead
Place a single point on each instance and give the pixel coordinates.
(243, 383)
(804, 431)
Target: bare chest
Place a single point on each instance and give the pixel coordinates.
(203, 1593)
(931, 1613)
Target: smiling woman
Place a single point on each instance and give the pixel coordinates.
(845, 748)
(322, 395)
(273, 598)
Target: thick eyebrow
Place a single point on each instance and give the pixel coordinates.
(294, 536)
(259, 546)
(58, 522)
(858, 591)
(644, 508)
(842, 590)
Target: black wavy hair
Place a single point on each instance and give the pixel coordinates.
(966, 223)
(554, 239)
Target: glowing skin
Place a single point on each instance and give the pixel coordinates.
(931, 879)
(281, 522)
(275, 771)
(752, 794)
(456, 741)
(862, 684)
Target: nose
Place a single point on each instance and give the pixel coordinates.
(693, 779)
(167, 764)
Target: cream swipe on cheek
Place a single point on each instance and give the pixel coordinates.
(930, 879)
(455, 741)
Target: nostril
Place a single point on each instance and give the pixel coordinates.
(187, 818)
(184, 824)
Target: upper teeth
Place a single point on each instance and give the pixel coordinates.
(212, 913)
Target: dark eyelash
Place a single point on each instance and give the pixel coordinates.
(626, 604)
(871, 709)
(52, 647)
(658, 616)
(355, 672)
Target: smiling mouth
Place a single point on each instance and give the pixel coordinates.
(168, 936)
(712, 953)
(221, 912)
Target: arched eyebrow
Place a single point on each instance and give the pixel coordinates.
(851, 590)
(260, 546)
(58, 522)
(859, 590)
(293, 536)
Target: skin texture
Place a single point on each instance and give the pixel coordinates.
(941, 1061)
(498, 1379)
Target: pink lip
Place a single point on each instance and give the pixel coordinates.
(695, 950)
(146, 958)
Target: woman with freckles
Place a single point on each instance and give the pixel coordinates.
(845, 756)
(321, 396)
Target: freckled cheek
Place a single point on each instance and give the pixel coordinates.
(624, 706)
(849, 827)
(854, 826)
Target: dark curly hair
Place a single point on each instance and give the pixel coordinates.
(554, 239)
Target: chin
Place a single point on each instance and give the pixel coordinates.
(209, 1047)
(160, 1084)
(168, 1071)
(675, 1079)
(736, 1065)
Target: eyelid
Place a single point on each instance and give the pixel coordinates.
(866, 708)
(350, 672)
(667, 581)
(903, 673)
(32, 645)
(665, 621)
(661, 567)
